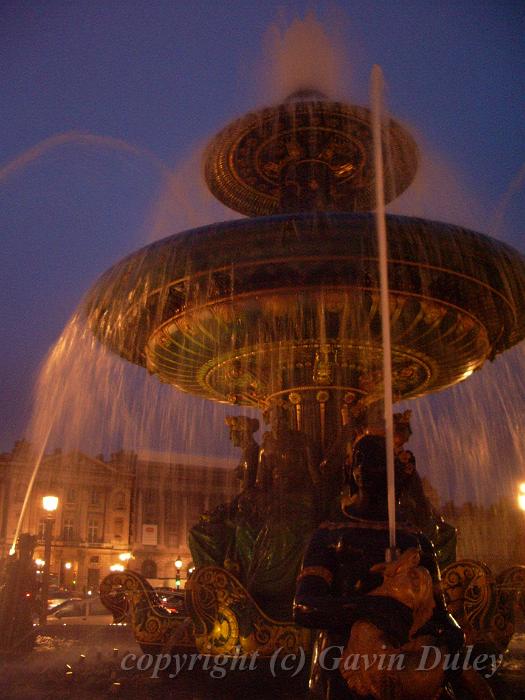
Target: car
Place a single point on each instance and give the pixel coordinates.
(172, 599)
(87, 611)
(53, 604)
(57, 596)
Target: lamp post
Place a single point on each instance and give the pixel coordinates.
(50, 504)
(178, 567)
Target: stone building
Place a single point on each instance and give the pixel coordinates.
(137, 504)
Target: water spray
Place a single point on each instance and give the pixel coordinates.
(377, 84)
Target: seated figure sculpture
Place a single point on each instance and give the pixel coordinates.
(225, 537)
(338, 575)
(415, 507)
(287, 474)
(413, 504)
(261, 535)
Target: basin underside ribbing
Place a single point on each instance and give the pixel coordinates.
(246, 310)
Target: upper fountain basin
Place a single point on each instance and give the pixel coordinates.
(240, 310)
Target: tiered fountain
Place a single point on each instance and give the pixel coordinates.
(281, 310)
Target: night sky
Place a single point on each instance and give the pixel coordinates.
(95, 96)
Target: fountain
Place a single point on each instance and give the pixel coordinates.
(280, 311)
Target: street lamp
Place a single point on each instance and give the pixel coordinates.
(521, 496)
(178, 567)
(125, 556)
(49, 504)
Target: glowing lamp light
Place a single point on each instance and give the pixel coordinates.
(125, 556)
(178, 563)
(521, 495)
(50, 503)
(68, 565)
(116, 567)
(40, 563)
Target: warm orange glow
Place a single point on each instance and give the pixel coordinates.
(116, 567)
(50, 503)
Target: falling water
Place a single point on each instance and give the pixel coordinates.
(29, 489)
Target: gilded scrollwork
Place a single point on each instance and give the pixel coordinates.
(229, 621)
(130, 597)
(484, 605)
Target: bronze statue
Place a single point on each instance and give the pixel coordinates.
(340, 570)
(288, 476)
(242, 429)
(414, 506)
(225, 536)
(285, 461)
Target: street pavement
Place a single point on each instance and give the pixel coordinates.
(102, 663)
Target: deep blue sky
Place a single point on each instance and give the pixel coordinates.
(163, 76)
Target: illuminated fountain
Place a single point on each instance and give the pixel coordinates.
(285, 305)
(280, 311)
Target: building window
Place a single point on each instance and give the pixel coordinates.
(120, 500)
(94, 560)
(173, 539)
(118, 527)
(93, 578)
(42, 529)
(150, 505)
(149, 568)
(71, 496)
(93, 530)
(95, 497)
(68, 530)
(171, 508)
(20, 492)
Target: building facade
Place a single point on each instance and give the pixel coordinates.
(143, 505)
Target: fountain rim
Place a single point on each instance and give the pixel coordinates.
(402, 219)
(166, 284)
